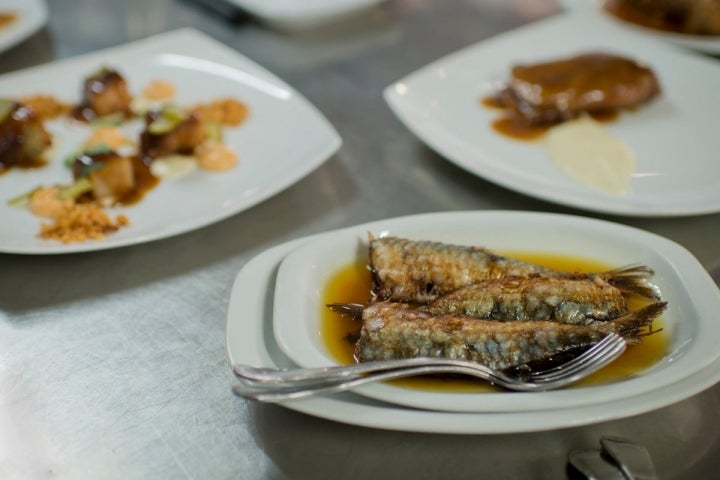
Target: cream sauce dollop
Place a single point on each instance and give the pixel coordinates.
(587, 152)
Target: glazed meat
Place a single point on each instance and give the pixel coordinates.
(562, 89)
(169, 132)
(695, 17)
(23, 137)
(104, 93)
(111, 175)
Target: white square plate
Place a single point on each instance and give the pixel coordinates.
(283, 139)
(690, 320)
(674, 136)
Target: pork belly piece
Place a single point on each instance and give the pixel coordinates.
(23, 137)
(111, 175)
(170, 131)
(562, 89)
(104, 93)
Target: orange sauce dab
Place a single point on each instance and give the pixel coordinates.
(351, 284)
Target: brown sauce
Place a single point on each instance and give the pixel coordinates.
(144, 182)
(8, 18)
(668, 19)
(516, 127)
(351, 284)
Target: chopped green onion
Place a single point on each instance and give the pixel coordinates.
(6, 107)
(76, 189)
(170, 116)
(213, 131)
(22, 200)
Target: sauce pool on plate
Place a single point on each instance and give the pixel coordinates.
(351, 284)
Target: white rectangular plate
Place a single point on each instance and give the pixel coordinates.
(283, 139)
(674, 136)
(690, 320)
(250, 341)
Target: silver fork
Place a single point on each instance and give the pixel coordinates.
(274, 385)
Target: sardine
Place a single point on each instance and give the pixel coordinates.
(558, 299)
(398, 330)
(421, 271)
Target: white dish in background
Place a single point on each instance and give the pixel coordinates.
(249, 340)
(296, 15)
(702, 43)
(673, 136)
(32, 15)
(283, 139)
(693, 299)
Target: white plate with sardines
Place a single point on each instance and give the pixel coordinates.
(145, 141)
(577, 112)
(250, 341)
(417, 275)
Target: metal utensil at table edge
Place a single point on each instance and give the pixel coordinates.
(273, 385)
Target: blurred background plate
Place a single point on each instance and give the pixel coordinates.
(31, 16)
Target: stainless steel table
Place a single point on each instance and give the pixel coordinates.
(113, 365)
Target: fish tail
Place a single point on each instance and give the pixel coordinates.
(633, 279)
(632, 326)
(353, 310)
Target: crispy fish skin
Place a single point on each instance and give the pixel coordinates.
(397, 330)
(421, 271)
(565, 300)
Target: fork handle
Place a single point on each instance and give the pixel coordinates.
(303, 375)
(274, 393)
(277, 393)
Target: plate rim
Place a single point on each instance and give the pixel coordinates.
(292, 15)
(163, 43)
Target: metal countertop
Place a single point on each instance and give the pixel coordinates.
(113, 363)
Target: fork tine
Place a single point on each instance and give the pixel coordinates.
(580, 359)
(593, 362)
(607, 344)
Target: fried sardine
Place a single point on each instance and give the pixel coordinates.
(397, 330)
(579, 300)
(421, 271)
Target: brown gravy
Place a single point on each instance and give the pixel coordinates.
(516, 127)
(8, 18)
(144, 182)
(351, 284)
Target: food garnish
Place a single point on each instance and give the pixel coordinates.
(111, 168)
